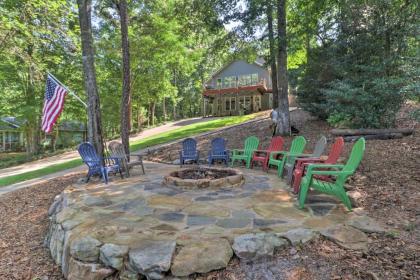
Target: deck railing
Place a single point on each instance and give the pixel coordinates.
(236, 84)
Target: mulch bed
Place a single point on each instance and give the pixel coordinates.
(23, 225)
(388, 179)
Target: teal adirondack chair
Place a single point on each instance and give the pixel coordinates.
(251, 144)
(296, 148)
(339, 172)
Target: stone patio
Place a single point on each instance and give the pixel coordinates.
(139, 226)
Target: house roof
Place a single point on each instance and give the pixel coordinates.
(258, 62)
(12, 123)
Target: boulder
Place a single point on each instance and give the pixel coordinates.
(201, 257)
(256, 245)
(299, 235)
(56, 243)
(347, 237)
(366, 224)
(128, 275)
(152, 258)
(87, 271)
(85, 249)
(113, 255)
(56, 206)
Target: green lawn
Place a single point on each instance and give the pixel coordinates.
(165, 137)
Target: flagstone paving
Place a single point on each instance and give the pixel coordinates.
(145, 227)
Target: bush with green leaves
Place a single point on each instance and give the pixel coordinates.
(363, 65)
(372, 104)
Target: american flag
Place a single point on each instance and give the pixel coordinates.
(53, 103)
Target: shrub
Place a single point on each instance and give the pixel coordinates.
(373, 104)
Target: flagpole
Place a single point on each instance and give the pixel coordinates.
(69, 91)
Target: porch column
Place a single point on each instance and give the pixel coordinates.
(4, 140)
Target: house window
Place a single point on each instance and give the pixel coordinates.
(230, 82)
(247, 103)
(233, 103)
(247, 80)
(230, 104)
(254, 79)
(226, 82)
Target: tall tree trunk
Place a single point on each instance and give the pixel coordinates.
(140, 119)
(94, 108)
(164, 109)
(32, 126)
(153, 113)
(149, 115)
(174, 111)
(126, 90)
(283, 121)
(272, 55)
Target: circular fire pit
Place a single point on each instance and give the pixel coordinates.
(205, 177)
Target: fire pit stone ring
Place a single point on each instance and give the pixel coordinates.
(205, 177)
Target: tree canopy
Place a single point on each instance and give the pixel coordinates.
(352, 63)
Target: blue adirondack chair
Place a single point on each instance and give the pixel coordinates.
(96, 164)
(218, 151)
(189, 151)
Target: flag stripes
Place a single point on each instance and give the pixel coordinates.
(53, 103)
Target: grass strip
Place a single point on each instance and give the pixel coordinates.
(182, 132)
(39, 172)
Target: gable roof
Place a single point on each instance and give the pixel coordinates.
(259, 62)
(12, 123)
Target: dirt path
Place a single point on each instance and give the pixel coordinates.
(65, 157)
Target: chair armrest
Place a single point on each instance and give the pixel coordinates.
(330, 172)
(300, 155)
(136, 157)
(311, 167)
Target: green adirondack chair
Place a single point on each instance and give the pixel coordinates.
(339, 172)
(251, 144)
(296, 148)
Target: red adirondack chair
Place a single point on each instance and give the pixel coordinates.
(302, 163)
(263, 156)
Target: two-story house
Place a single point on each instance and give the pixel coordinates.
(238, 88)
